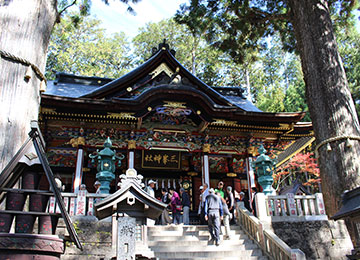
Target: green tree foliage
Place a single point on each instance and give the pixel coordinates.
(212, 66)
(178, 37)
(348, 39)
(83, 48)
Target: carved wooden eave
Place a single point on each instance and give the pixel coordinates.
(88, 109)
(131, 191)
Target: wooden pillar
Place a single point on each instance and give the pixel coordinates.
(205, 165)
(79, 143)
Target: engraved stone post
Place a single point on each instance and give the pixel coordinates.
(126, 238)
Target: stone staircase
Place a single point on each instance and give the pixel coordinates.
(192, 242)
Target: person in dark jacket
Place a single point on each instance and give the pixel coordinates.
(213, 214)
(165, 218)
(185, 202)
(253, 203)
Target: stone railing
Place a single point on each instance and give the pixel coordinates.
(77, 204)
(290, 208)
(270, 243)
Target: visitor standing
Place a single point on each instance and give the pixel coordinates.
(230, 201)
(226, 218)
(213, 214)
(201, 188)
(185, 202)
(247, 201)
(150, 188)
(205, 192)
(83, 187)
(220, 189)
(175, 206)
(253, 203)
(97, 185)
(165, 218)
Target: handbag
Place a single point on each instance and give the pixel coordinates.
(178, 207)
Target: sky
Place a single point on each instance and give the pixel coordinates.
(115, 17)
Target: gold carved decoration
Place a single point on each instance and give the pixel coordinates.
(224, 122)
(231, 174)
(75, 142)
(252, 150)
(174, 104)
(121, 115)
(131, 144)
(206, 148)
(162, 68)
(46, 110)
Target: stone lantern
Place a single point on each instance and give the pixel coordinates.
(263, 166)
(106, 165)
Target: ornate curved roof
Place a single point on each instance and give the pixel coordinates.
(162, 81)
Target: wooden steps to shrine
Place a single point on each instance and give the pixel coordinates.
(192, 242)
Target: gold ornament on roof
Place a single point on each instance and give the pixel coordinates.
(131, 144)
(162, 68)
(75, 142)
(121, 115)
(252, 150)
(174, 104)
(206, 148)
(231, 174)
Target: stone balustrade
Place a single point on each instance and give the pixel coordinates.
(270, 243)
(290, 207)
(77, 204)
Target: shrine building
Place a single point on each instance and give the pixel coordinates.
(165, 123)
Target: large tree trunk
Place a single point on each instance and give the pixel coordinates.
(329, 99)
(25, 28)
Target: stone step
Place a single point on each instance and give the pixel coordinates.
(216, 253)
(222, 258)
(192, 242)
(198, 242)
(186, 233)
(190, 237)
(202, 248)
(188, 227)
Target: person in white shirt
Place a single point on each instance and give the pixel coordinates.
(150, 188)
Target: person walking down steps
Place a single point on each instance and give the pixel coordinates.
(213, 214)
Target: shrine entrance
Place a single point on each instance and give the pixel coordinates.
(173, 168)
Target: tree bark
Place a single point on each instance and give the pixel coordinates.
(25, 28)
(329, 99)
